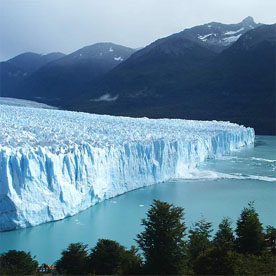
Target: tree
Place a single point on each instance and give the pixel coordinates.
(216, 261)
(199, 237)
(74, 260)
(249, 264)
(218, 258)
(17, 263)
(270, 239)
(162, 240)
(250, 236)
(224, 237)
(132, 262)
(110, 258)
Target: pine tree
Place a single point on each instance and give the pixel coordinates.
(74, 260)
(224, 237)
(250, 236)
(199, 238)
(162, 240)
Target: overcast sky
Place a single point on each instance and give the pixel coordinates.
(44, 26)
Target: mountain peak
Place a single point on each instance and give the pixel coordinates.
(248, 20)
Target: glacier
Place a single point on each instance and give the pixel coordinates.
(55, 163)
(22, 102)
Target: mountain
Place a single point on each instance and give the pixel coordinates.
(164, 64)
(218, 36)
(210, 72)
(31, 61)
(239, 84)
(66, 77)
(16, 69)
(182, 77)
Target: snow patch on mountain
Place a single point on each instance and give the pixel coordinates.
(231, 39)
(56, 163)
(204, 37)
(118, 58)
(234, 32)
(219, 36)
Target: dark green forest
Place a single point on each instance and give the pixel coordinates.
(167, 247)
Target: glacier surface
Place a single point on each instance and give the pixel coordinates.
(26, 103)
(56, 163)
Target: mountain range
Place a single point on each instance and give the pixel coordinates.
(67, 75)
(210, 72)
(14, 71)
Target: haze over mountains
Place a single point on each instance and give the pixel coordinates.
(19, 68)
(66, 76)
(209, 72)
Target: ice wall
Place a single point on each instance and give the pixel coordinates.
(55, 163)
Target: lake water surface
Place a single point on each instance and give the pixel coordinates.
(216, 189)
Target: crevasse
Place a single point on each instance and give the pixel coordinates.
(55, 163)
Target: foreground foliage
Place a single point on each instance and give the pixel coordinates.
(17, 263)
(162, 241)
(250, 236)
(110, 258)
(73, 260)
(251, 251)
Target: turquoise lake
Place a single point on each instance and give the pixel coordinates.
(218, 188)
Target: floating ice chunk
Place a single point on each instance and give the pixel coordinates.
(263, 160)
(195, 174)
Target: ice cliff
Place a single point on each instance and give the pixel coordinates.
(55, 163)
